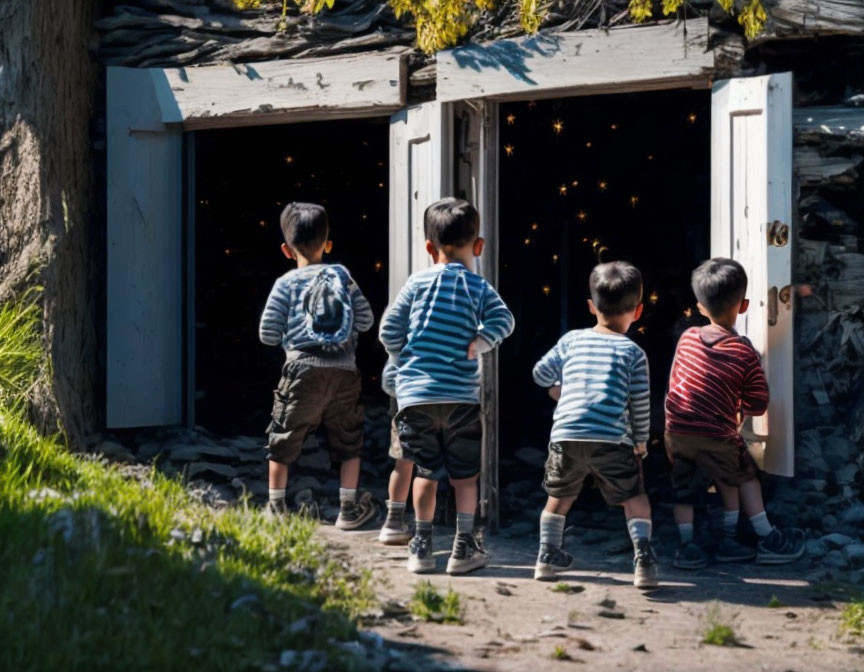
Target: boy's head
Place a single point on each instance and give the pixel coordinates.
(616, 290)
(452, 226)
(305, 228)
(720, 285)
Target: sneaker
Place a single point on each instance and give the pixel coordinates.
(395, 536)
(551, 561)
(731, 550)
(420, 558)
(467, 555)
(354, 514)
(305, 504)
(646, 569)
(276, 509)
(780, 547)
(690, 556)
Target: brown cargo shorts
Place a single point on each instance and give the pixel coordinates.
(617, 471)
(395, 446)
(698, 461)
(311, 396)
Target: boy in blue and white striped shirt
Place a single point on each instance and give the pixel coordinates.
(442, 319)
(600, 427)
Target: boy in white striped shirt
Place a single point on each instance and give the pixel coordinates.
(600, 427)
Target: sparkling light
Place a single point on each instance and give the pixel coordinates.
(691, 117)
(289, 159)
(602, 185)
(547, 290)
(557, 126)
(535, 226)
(582, 216)
(511, 119)
(688, 313)
(653, 298)
(562, 190)
(509, 149)
(634, 200)
(378, 266)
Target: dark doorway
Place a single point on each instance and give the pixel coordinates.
(585, 180)
(243, 179)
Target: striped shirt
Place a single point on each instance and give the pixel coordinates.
(428, 329)
(715, 376)
(283, 321)
(605, 394)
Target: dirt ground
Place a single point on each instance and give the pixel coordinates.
(512, 622)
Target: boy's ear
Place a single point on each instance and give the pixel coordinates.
(328, 246)
(430, 248)
(591, 307)
(478, 246)
(703, 310)
(745, 304)
(638, 312)
(287, 251)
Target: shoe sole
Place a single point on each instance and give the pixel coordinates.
(551, 572)
(393, 537)
(778, 559)
(646, 584)
(419, 566)
(354, 524)
(677, 564)
(474, 565)
(735, 558)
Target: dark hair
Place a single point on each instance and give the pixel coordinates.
(616, 287)
(451, 221)
(304, 226)
(719, 284)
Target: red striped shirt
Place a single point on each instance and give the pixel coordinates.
(715, 376)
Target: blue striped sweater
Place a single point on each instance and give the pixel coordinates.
(428, 329)
(605, 394)
(283, 321)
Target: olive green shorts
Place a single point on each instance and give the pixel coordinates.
(615, 468)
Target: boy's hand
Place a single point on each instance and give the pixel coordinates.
(555, 392)
(641, 449)
(472, 349)
(477, 347)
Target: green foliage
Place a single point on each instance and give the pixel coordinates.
(853, 618)
(21, 356)
(775, 603)
(717, 632)
(531, 15)
(751, 15)
(567, 588)
(430, 605)
(560, 653)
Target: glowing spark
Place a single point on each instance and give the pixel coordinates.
(691, 117)
(380, 185)
(279, 203)
(653, 298)
(547, 290)
(634, 200)
(602, 185)
(588, 144)
(532, 104)
(511, 119)
(650, 157)
(614, 127)
(527, 241)
(289, 159)
(554, 258)
(262, 224)
(641, 330)
(688, 313)
(582, 216)
(364, 217)
(378, 266)
(558, 126)
(574, 183)
(562, 190)
(227, 253)
(535, 226)
(509, 149)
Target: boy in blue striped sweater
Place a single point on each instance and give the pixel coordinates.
(601, 423)
(442, 319)
(315, 313)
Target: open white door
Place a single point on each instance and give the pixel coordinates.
(751, 221)
(145, 251)
(421, 159)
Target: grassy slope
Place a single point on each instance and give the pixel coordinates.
(99, 569)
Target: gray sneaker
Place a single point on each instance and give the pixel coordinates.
(690, 556)
(551, 561)
(355, 514)
(395, 536)
(731, 550)
(420, 558)
(646, 569)
(780, 547)
(467, 555)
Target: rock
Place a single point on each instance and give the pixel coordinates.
(835, 559)
(295, 485)
(818, 575)
(519, 529)
(816, 548)
(318, 459)
(854, 554)
(248, 442)
(838, 451)
(837, 540)
(594, 537)
(288, 658)
(531, 456)
(115, 451)
(857, 577)
(829, 523)
(42, 494)
(211, 469)
(150, 449)
(847, 474)
(193, 453)
(854, 514)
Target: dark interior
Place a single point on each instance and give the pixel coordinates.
(593, 179)
(244, 177)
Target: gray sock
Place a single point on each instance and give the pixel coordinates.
(730, 523)
(347, 497)
(423, 528)
(761, 524)
(277, 494)
(395, 515)
(464, 523)
(552, 529)
(685, 530)
(640, 531)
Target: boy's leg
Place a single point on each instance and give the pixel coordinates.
(420, 558)
(688, 483)
(637, 510)
(729, 549)
(277, 483)
(395, 529)
(775, 547)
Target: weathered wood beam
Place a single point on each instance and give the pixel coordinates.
(628, 58)
(818, 16)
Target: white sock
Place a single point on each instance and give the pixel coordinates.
(730, 523)
(639, 529)
(761, 525)
(552, 529)
(464, 523)
(347, 494)
(685, 531)
(277, 494)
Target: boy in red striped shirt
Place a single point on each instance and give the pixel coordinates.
(717, 378)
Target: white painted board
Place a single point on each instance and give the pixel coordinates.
(751, 190)
(144, 266)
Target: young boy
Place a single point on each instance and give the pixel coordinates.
(601, 423)
(315, 313)
(717, 376)
(442, 319)
(395, 531)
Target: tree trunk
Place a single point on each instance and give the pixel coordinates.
(48, 229)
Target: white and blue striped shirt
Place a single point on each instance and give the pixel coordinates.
(605, 394)
(283, 321)
(428, 329)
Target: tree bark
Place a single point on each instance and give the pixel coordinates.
(48, 231)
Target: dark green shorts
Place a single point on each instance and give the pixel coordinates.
(615, 468)
(699, 461)
(441, 436)
(309, 396)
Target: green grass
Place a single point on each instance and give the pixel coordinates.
(103, 570)
(775, 603)
(560, 653)
(567, 588)
(853, 618)
(717, 632)
(429, 604)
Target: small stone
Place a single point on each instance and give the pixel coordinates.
(641, 648)
(197, 536)
(212, 469)
(531, 456)
(854, 554)
(835, 559)
(608, 613)
(854, 514)
(829, 523)
(177, 534)
(846, 475)
(287, 658)
(244, 601)
(816, 548)
(837, 540)
(147, 451)
(115, 451)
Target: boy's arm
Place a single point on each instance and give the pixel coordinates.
(496, 322)
(640, 398)
(754, 396)
(363, 317)
(549, 370)
(393, 332)
(274, 319)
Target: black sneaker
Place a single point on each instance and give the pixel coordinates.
(646, 569)
(731, 550)
(420, 558)
(780, 547)
(690, 556)
(354, 514)
(551, 561)
(467, 555)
